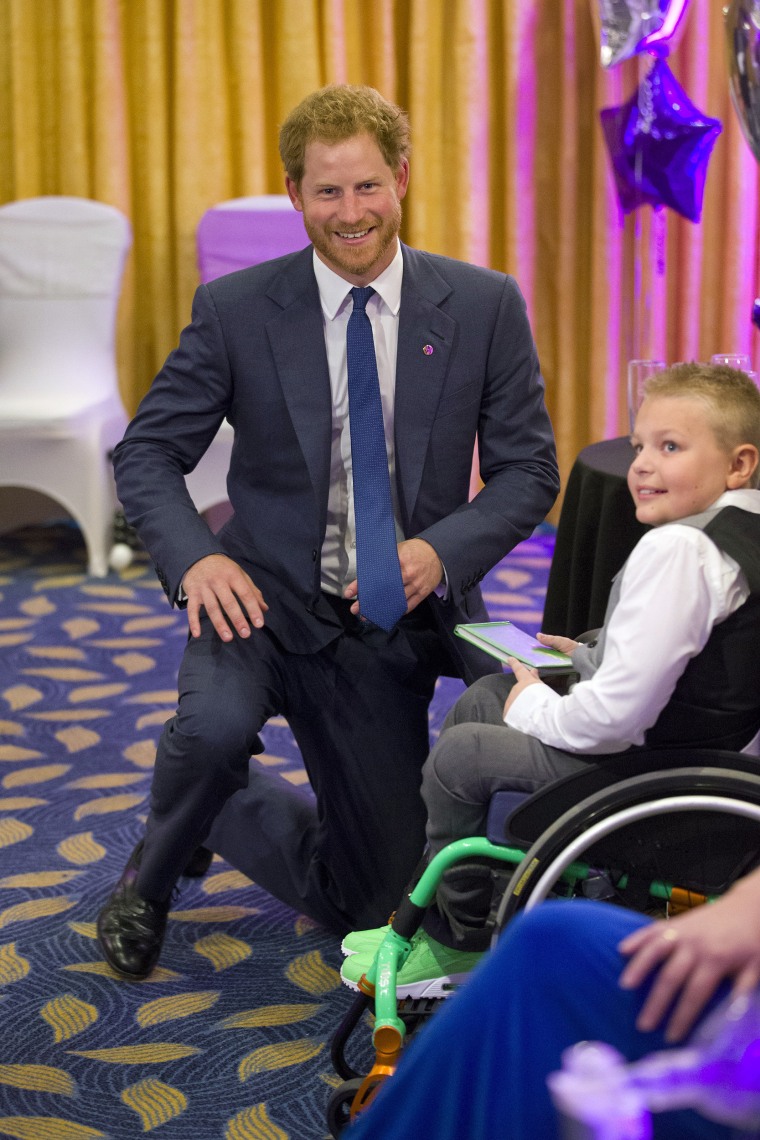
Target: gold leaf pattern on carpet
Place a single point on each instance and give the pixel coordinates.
(80, 627)
(126, 643)
(70, 714)
(16, 752)
(158, 974)
(21, 696)
(224, 881)
(121, 608)
(160, 716)
(269, 1015)
(96, 692)
(39, 1078)
(81, 849)
(311, 973)
(38, 879)
(279, 1056)
(212, 913)
(161, 697)
(60, 582)
(142, 753)
(8, 640)
(157, 1053)
(138, 625)
(19, 803)
(35, 908)
(46, 1128)
(107, 780)
(176, 1006)
(11, 728)
(68, 1015)
(134, 663)
(99, 590)
(222, 950)
(15, 623)
(76, 738)
(58, 652)
(254, 1124)
(154, 1102)
(41, 775)
(63, 673)
(13, 831)
(107, 804)
(12, 966)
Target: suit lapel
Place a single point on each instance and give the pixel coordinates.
(420, 373)
(297, 340)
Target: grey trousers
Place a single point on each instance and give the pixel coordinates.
(477, 755)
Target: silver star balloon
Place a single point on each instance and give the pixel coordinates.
(743, 41)
(632, 26)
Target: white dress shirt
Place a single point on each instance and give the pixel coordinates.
(676, 584)
(339, 546)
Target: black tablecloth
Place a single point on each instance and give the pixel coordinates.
(597, 531)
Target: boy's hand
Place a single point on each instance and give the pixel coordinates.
(524, 676)
(554, 641)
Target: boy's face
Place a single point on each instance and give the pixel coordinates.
(679, 469)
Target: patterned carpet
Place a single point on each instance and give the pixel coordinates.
(229, 1038)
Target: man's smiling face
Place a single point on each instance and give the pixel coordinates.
(351, 204)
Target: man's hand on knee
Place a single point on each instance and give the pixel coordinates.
(225, 591)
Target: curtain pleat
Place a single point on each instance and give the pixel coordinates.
(165, 107)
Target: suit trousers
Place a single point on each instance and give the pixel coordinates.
(476, 756)
(358, 709)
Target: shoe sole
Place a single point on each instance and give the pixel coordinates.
(428, 988)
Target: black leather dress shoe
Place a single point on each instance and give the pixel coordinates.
(199, 863)
(130, 929)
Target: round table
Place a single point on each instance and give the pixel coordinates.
(597, 531)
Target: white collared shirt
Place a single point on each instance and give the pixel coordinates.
(339, 546)
(676, 582)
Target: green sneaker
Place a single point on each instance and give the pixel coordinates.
(364, 941)
(430, 971)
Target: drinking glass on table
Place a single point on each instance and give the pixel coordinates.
(733, 360)
(639, 371)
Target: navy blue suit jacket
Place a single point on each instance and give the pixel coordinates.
(255, 354)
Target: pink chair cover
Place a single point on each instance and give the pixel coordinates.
(245, 231)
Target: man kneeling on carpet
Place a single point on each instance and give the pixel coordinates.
(675, 663)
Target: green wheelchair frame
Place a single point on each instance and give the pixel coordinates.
(558, 828)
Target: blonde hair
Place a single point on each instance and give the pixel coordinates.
(731, 398)
(340, 111)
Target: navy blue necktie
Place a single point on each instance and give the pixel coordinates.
(381, 590)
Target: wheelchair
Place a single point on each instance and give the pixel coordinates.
(655, 830)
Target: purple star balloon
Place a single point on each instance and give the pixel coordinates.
(660, 145)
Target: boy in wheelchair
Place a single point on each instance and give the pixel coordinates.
(675, 663)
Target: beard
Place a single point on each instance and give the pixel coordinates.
(356, 261)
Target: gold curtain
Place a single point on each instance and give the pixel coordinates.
(165, 107)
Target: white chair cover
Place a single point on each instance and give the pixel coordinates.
(61, 266)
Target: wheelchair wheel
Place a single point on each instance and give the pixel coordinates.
(658, 824)
(339, 1105)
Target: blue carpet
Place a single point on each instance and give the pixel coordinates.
(229, 1038)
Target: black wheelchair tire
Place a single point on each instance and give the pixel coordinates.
(639, 794)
